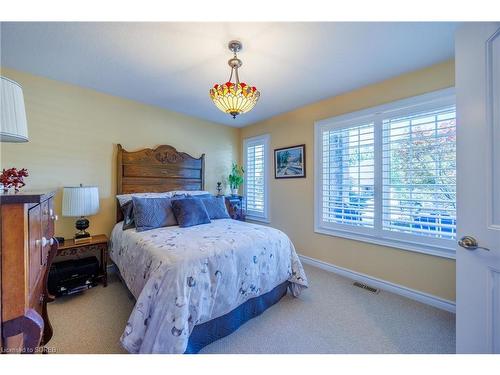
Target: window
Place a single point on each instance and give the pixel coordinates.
(419, 183)
(387, 175)
(348, 176)
(256, 155)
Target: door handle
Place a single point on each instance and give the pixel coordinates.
(470, 243)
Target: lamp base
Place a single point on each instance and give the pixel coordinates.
(82, 235)
(82, 239)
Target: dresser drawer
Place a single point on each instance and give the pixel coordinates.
(34, 246)
(47, 228)
(41, 231)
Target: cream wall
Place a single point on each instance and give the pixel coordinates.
(292, 201)
(73, 134)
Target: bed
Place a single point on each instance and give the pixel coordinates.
(194, 285)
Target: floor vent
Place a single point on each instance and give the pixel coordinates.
(366, 287)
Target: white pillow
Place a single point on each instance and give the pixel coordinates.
(124, 198)
(189, 192)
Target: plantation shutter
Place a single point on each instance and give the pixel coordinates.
(419, 174)
(387, 174)
(255, 176)
(348, 176)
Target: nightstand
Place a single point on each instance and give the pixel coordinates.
(97, 243)
(234, 205)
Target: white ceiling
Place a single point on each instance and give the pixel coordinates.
(173, 65)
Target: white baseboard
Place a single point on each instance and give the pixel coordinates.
(416, 295)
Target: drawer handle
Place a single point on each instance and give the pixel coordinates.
(52, 215)
(44, 242)
(41, 299)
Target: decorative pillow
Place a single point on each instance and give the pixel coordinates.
(198, 196)
(151, 213)
(189, 212)
(128, 215)
(216, 207)
(124, 198)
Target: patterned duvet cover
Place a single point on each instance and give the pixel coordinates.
(182, 277)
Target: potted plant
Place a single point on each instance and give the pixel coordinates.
(235, 178)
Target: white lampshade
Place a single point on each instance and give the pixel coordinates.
(80, 201)
(13, 124)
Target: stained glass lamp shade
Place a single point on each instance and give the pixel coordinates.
(236, 97)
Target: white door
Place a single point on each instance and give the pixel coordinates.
(477, 59)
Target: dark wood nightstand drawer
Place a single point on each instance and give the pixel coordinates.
(235, 207)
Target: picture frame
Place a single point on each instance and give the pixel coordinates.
(290, 162)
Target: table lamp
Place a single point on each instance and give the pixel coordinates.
(13, 124)
(80, 201)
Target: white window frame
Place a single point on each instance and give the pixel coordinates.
(265, 140)
(428, 245)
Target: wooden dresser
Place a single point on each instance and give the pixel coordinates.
(27, 250)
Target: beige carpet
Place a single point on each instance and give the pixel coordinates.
(331, 316)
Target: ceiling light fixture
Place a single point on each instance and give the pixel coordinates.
(238, 97)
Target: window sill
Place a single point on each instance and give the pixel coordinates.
(259, 219)
(443, 252)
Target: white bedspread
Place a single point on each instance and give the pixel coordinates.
(182, 277)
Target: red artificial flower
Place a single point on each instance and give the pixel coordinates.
(13, 177)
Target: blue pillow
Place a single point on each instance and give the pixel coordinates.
(151, 213)
(216, 207)
(189, 212)
(199, 196)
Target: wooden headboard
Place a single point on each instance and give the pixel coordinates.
(158, 170)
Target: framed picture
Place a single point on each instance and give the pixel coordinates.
(290, 162)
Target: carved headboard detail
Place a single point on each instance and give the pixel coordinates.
(157, 170)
